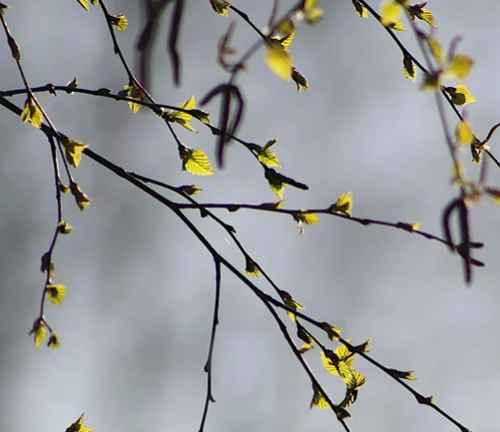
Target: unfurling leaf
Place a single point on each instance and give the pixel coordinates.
(190, 189)
(460, 66)
(389, 15)
(343, 205)
(73, 149)
(332, 332)
(251, 268)
(267, 157)
(278, 59)
(336, 366)
(410, 227)
(39, 332)
(120, 22)
(300, 80)
(195, 161)
(360, 10)
(47, 265)
(64, 227)
(290, 302)
(409, 69)
(55, 293)
(460, 95)
(182, 117)
(78, 426)
(436, 49)
(407, 375)
(307, 218)
(132, 91)
(84, 4)
(310, 13)
(81, 198)
(32, 113)
(71, 86)
(54, 341)
(464, 134)
(318, 400)
(418, 11)
(220, 6)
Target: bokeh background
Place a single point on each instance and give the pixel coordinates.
(136, 320)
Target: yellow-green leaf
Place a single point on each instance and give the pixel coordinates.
(431, 82)
(181, 117)
(409, 69)
(32, 113)
(39, 332)
(251, 268)
(78, 426)
(460, 95)
(73, 149)
(460, 66)
(278, 59)
(276, 185)
(267, 157)
(81, 198)
(190, 189)
(195, 161)
(84, 4)
(64, 227)
(464, 133)
(291, 302)
(132, 91)
(300, 80)
(407, 375)
(120, 22)
(344, 204)
(389, 13)
(359, 8)
(357, 380)
(54, 341)
(436, 49)
(318, 400)
(307, 218)
(335, 366)
(220, 6)
(55, 293)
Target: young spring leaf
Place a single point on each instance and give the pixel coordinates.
(78, 426)
(220, 6)
(464, 134)
(132, 91)
(406, 375)
(84, 4)
(54, 341)
(360, 10)
(278, 59)
(435, 49)
(344, 204)
(251, 268)
(39, 332)
(300, 80)
(73, 149)
(195, 161)
(318, 400)
(55, 293)
(182, 117)
(119, 22)
(389, 15)
(409, 69)
(460, 95)
(81, 198)
(291, 302)
(460, 66)
(32, 113)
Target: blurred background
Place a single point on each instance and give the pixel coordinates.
(136, 321)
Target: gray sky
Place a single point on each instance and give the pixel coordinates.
(135, 323)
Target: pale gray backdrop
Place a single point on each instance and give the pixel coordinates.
(135, 323)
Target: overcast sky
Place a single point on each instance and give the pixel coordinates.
(136, 320)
